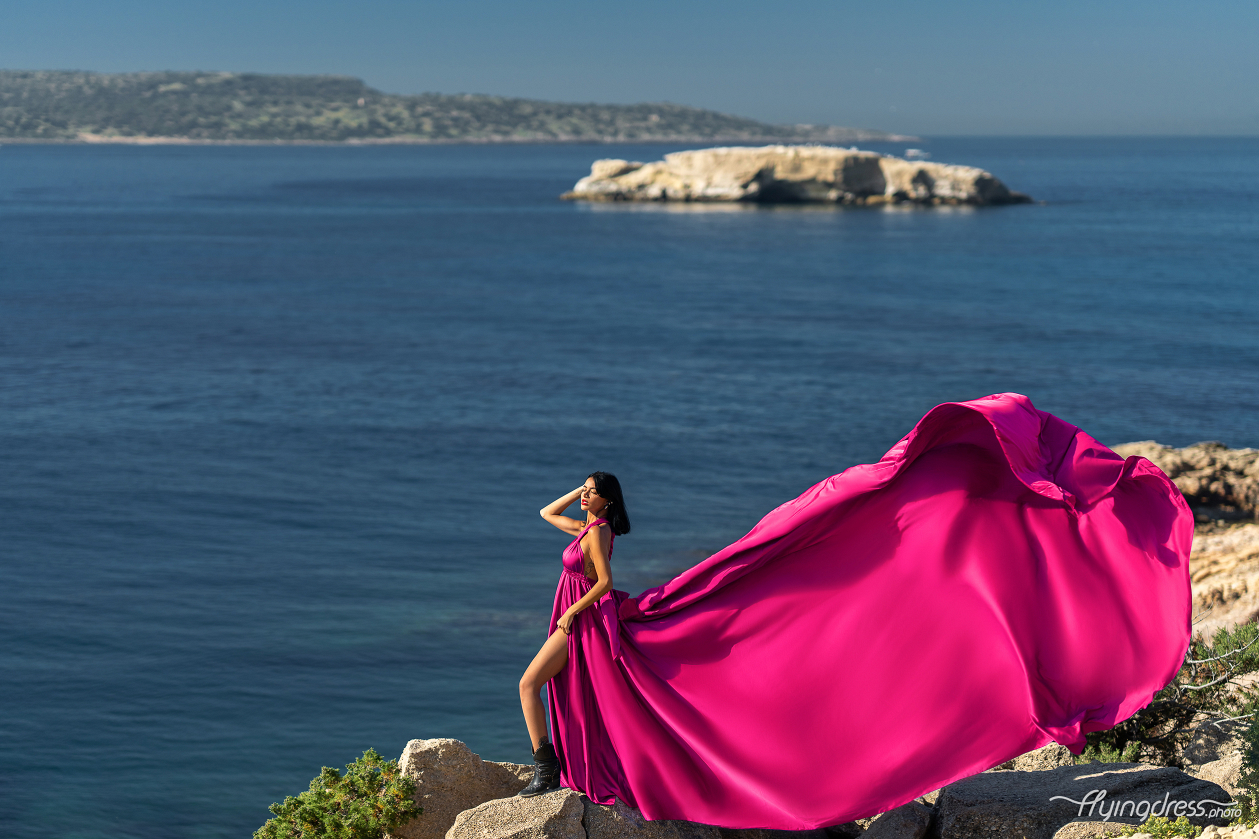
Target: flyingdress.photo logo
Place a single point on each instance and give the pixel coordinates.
(1143, 809)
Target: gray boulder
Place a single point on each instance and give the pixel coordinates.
(765, 833)
(451, 778)
(1211, 741)
(909, 821)
(1088, 830)
(619, 821)
(1046, 757)
(555, 815)
(1226, 772)
(1036, 804)
(847, 830)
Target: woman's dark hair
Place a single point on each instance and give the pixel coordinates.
(609, 488)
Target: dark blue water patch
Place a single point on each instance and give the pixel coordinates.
(277, 421)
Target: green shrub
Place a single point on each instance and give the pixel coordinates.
(1206, 687)
(1163, 828)
(372, 797)
(1249, 778)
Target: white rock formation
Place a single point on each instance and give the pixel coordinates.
(1234, 832)
(790, 174)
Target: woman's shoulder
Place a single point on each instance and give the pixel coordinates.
(600, 526)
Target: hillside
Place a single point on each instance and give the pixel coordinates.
(69, 106)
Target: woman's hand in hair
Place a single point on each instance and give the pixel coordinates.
(553, 512)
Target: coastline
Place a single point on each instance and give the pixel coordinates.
(173, 107)
(99, 140)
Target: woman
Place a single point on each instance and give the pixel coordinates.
(999, 580)
(587, 577)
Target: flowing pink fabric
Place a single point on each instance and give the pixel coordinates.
(998, 581)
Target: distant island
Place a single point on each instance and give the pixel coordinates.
(170, 107)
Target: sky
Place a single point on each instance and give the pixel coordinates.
(1056, 67)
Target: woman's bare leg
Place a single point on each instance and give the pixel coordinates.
(549, 661)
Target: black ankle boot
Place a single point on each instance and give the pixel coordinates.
(546, 771)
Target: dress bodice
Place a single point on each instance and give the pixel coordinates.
(572, 556)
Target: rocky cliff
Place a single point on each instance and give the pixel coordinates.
(1218, 482)
(1036, 796)
(791, 174)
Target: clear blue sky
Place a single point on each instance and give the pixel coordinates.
(928, 68)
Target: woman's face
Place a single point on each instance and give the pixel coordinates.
(591, 500)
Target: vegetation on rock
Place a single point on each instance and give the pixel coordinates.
(1163, 828)
(1249, 778)
(66, 105)
(1208, 689)
(371, 798)
(1216, 685)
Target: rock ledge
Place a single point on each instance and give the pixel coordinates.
(1039, 795)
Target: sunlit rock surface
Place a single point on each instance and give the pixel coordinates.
(791, 174)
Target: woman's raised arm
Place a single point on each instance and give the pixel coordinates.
(552, 513)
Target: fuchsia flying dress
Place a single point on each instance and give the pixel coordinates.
(998, 581)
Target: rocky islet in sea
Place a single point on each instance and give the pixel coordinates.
(792, 174)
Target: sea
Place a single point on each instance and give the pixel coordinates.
(276, 421)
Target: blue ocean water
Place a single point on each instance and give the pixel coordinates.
(275, 422)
